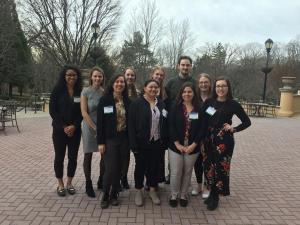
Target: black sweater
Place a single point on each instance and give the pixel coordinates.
(224, 113)
(140, 117)
(176, 128)
(107, 120)
(64, 110)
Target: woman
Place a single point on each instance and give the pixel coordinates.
(133, 93)
(204, 88)
(186, 130)
(64, 109)
(90, 97)
(130, 77)
(147, 136)
(112, 136)
(158, 73)
(219, 145)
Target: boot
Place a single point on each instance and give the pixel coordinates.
(114, 198)
(100, 183)
(105, 201)
(89, 190)
(124, 183)
(214, 202)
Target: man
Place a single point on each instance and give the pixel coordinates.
(184, 65)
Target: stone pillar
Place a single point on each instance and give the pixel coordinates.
(85, 77)
(286, 97)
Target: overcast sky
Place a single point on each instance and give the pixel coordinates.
(231, 21)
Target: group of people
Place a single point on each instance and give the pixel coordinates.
(190, 118)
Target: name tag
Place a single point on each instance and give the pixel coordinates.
(210, 111)
(164, 113)
(76, 99)
(193, 116)
(108, 109)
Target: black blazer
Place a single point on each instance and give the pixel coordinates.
(107, 122)
(65, 110)
(140, 117)
(176, 128)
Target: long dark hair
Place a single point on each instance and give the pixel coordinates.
(195, 101)
(229, 94)
(109, 90)
(61, 84)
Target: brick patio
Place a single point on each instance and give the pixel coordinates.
(265, 182)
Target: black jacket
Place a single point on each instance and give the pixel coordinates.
(176, 128)
(107, 122)
(140, 117)
(65, 110)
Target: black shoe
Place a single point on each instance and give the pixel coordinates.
(100, 183)
(114, 198)
(61, 192)
(206, 201)
(183, 202)
(124, 183)
(89, 190)
(105, 201)
(213, 203)
(173, 203)
(167, 179)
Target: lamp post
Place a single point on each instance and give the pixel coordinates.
(267, 69)
(95, 31)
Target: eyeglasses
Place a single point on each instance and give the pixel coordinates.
(71, 74)
(221, 86)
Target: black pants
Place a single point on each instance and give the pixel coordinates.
(61, 141)
(147, 164)
(125, 164)
(87, 165)
(198, 168)
(115, 149)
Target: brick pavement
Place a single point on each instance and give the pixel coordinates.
(265, 183)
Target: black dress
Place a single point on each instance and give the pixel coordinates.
(219, 144)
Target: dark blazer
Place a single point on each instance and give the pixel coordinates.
(176, 128)
(140, 117)
(65, 110)
(107, 122)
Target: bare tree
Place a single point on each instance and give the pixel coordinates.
(178, 41)
(147, 21)
(62, 27)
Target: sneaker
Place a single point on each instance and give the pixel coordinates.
(105, 201)
(114, 198)
(205, 194)
(195, 192)
(139, 198)
(155, 199)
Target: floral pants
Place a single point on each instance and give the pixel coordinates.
(217, 156)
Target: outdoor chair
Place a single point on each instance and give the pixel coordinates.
(9, 115)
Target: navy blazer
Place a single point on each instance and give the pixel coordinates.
(176, 128)
(107, 122)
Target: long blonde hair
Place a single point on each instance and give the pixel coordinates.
(162, 92)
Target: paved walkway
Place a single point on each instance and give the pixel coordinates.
(265, 182)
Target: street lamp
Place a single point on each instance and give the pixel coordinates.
(267, 69)
(95, 31)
